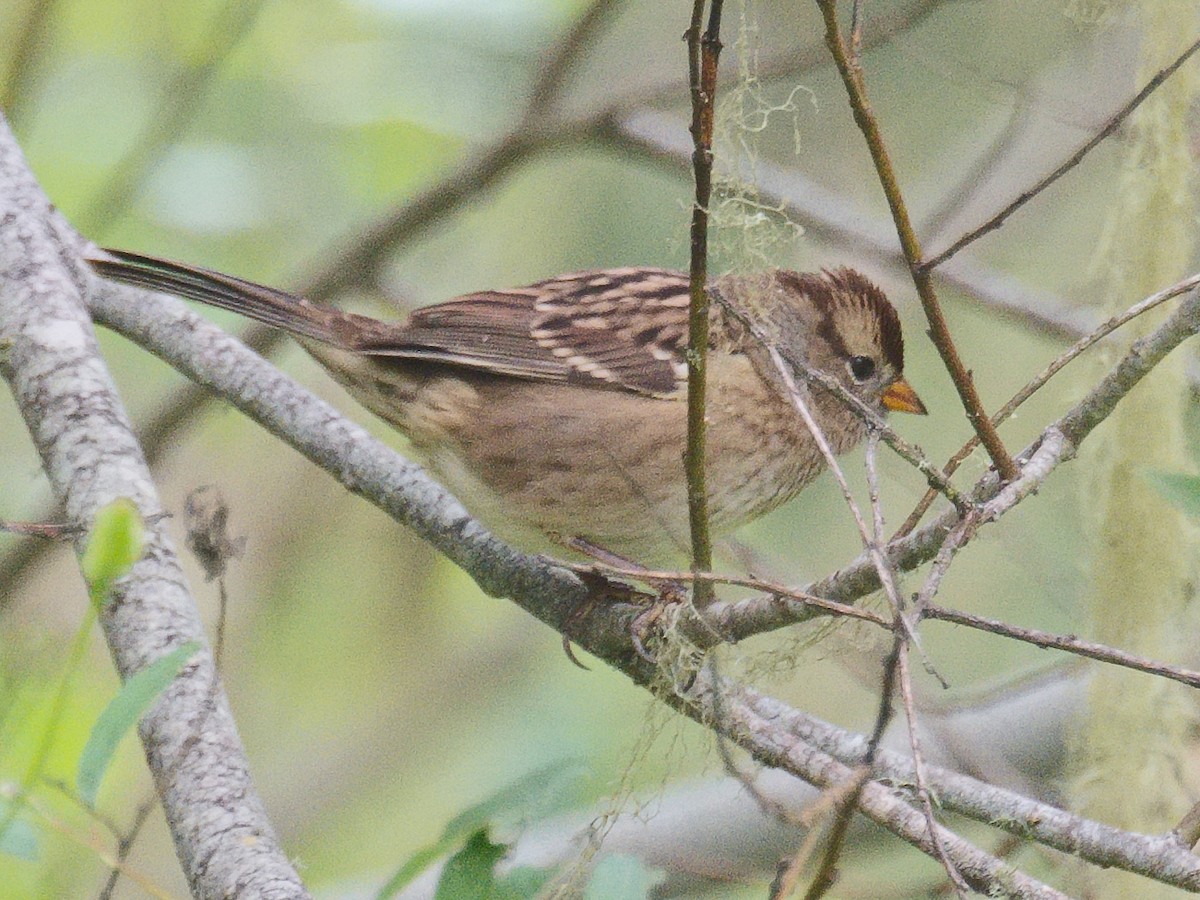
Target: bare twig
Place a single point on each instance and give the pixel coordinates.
(53, 531)
(125, 844)
(1068, 643)
(831, 800)
(656, 576)
(832, 217)
(904, 680)
(883, 565)
(862, 773)
(551, 81)
(939, 330)
(93, 843)
(956, 197)
(1071, 162)
(958, 536)
(760, 719)
(754, 722)
(704, 49)
(1188, 829)
(910, 453)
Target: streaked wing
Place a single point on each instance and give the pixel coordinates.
(614, 328)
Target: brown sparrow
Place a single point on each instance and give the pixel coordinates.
(559, 408)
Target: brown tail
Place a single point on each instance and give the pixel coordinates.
(268, 305)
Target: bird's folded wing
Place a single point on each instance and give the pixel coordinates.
(623, 329)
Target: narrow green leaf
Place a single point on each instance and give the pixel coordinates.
(114, 545)
(622, 878)
(122, 714)
(528, 795)
(19, 839)
(531, 794)
(1180, 490)
(469, 873)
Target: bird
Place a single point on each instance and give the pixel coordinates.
(557, 411)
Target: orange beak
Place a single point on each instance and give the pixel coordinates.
(900, 397)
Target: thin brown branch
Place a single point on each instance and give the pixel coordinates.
(904, 680)
(1067, 643)
(1036, 384)
(93, 843)
(657, 577)
(795, 62)
(832, 217)
(832, 800)
(556, 67)
(939, 330)
(704, 50)
(125, 846)
(861, 774)
(982, 167)
(1070, 163)
(54, 531)
(911, 453)
(760, 719)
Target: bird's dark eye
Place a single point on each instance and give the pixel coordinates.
(862, 367)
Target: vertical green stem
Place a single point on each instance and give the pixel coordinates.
(703, 52)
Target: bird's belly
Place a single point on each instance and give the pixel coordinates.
(599, 468)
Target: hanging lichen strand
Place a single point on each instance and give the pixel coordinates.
(1130, 747)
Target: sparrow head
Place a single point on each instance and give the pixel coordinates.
(841, 323)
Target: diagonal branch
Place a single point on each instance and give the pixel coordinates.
(939, 330)
(761, 720)
(1067, 165)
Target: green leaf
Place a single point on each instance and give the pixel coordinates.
(1180, 490)
(532, 793)
(469, 874)
(622, 878)
(19, 839)
(122, 714)
(522, 883)
(115, 544)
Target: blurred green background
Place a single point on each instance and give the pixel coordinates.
(378, 691)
